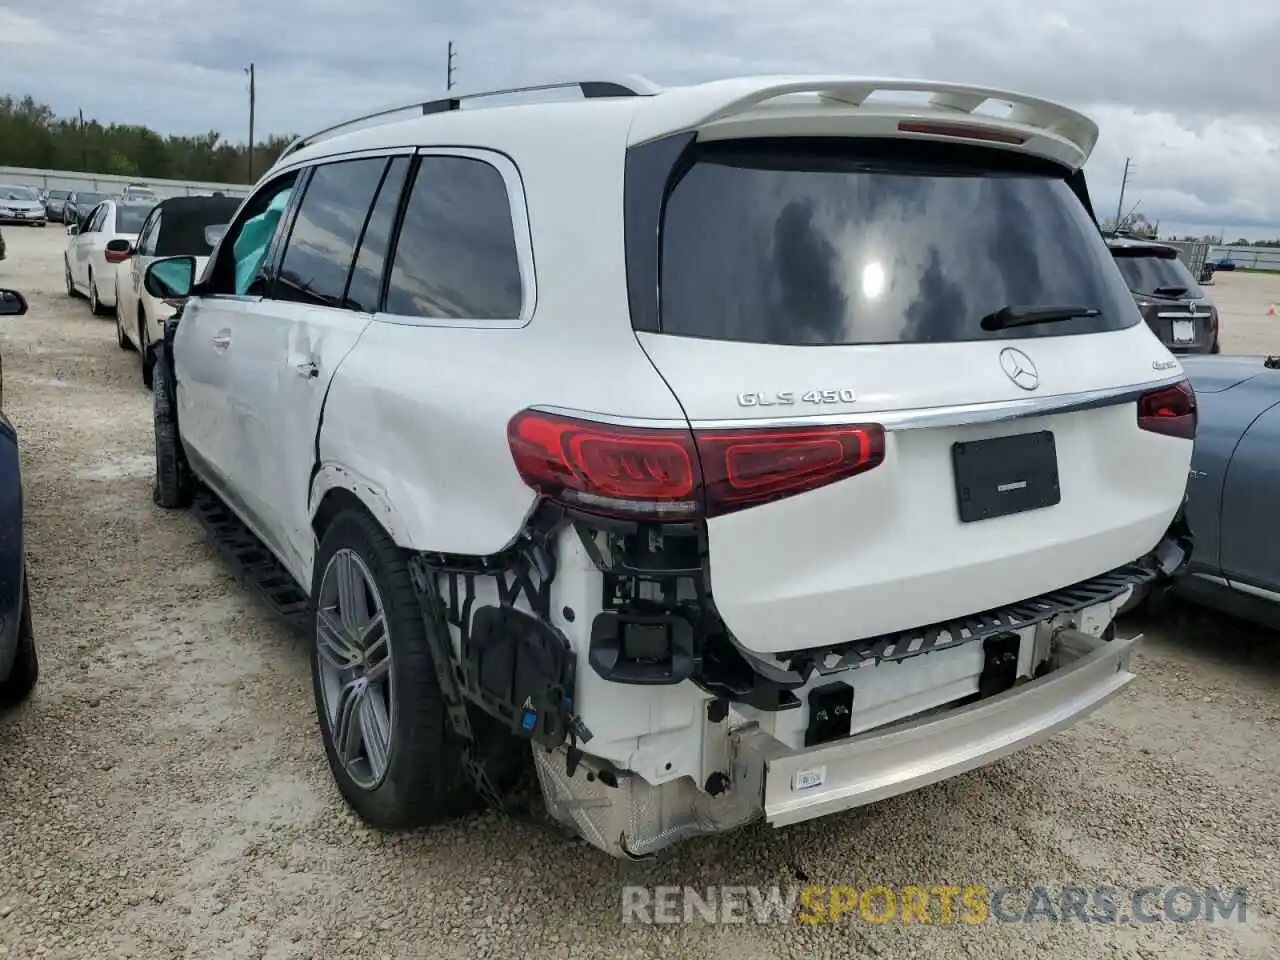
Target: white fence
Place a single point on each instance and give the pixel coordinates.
(109, 183)
(1251, 258)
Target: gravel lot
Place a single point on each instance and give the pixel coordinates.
(164, 794)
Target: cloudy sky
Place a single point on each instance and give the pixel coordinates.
(1192, 95)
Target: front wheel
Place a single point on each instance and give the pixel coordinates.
(395, 758)
(144, 350)
(17, 686)
(71, 284)
(175, 483)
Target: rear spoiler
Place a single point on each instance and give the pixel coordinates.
(680, 109)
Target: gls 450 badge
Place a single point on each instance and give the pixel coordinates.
(788, 398)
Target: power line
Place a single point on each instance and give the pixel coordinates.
(449, 74)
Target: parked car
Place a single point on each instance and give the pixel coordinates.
(860, 360)
(1171, 300)
(19, 666)
(139, 192)
(188, 226)
(1226, 264)
(1231, 502)
(90, 263)
(21, 205)
(54, 202)
(80, 204)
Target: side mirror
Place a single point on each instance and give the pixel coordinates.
(118, 251)
(12, 303)
(73, 229)
(171, 278)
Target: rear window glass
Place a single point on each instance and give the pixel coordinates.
(1168, 277)
(182, 226)
(847, 242)
(129, 219)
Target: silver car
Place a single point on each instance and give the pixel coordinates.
(19, 204)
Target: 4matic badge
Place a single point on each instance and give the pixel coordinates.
(789, 398)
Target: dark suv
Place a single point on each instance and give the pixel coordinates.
(1171, 301)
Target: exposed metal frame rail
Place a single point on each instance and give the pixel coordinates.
(626, 85)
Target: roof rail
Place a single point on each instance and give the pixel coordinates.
(625, 85)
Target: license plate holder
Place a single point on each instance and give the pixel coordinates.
(1005, 475)
(1184, 331)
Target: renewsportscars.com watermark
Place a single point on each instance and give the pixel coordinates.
(933, 904)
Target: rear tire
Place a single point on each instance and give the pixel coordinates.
(95, 305)
(175, 483)
(121, 340)
(17, 686)
(71, 284)
(421, 780)
(145, 351)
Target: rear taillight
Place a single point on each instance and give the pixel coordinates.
(678, 474)
(962, 131)
(1169, 410)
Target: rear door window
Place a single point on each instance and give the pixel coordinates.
(321, 247)
(873, 242)
(456, 256)
(1157, 276)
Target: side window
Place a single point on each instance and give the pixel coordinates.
(364, 290)
(456, 254)
(147, 238)
(237, 268)
(322, 245)
(94, 223)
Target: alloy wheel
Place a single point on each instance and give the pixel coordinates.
(354, 650)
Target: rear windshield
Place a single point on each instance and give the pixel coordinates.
(129, 219)
(183, 226)
(847, 242)
(1158, 276)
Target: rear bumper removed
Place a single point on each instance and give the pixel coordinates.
(802, 785)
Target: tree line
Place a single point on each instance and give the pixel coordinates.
(32, 135)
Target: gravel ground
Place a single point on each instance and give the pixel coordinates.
(164, 793)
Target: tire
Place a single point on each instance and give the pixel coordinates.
(95, 305)
(421, 780)
(71, 284)
(175, 483)
(1216, 348)
(122, 341)
(144, 350)
(17, 686)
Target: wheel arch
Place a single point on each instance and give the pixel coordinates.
(335, 490)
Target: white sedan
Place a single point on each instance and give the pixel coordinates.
(90, 267)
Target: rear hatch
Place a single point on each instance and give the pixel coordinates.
(811, 283)
(1173, 304)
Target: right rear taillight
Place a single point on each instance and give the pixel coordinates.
(1169, 410)
(674, 474)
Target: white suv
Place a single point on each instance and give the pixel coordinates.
(764, 447)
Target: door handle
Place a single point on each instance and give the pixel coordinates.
(221, 341)
(307, 368)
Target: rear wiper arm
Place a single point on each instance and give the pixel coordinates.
(1007, 317)
(1169, 291)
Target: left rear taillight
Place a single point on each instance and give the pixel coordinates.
(1170, 411)
(673, 474)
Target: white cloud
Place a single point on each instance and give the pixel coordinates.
(1193, 97)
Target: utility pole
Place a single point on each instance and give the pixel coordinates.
(1124, 181)
(449, 74)
(252, 108)
(84, 150)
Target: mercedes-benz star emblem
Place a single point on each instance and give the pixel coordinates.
(1017, 366)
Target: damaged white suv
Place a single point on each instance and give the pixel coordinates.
(758, 448)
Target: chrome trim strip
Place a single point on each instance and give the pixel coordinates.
(919, 418)
(1255, 591)
(1220, 581)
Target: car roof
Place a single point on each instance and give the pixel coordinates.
(633, 111)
